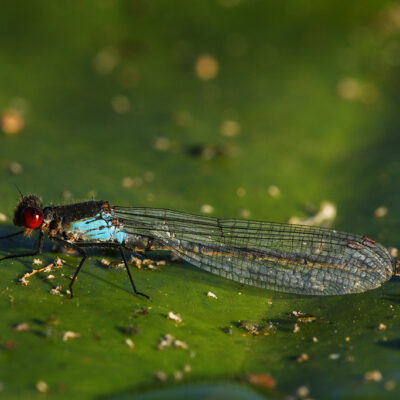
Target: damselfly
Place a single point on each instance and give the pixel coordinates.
(288, 258)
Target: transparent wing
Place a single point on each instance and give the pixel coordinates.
(289, 258)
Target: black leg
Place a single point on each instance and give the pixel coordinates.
(130, 276)
(81, 252)
(34, 253)
(11, 235)
(84, 256)
(78, 247)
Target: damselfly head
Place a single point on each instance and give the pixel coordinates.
(29, 212)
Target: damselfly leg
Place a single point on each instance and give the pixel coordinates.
(32, 253)
(84, 255)
(12, 235)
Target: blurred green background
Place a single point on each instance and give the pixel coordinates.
(238, 108)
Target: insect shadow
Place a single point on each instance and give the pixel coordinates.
(15, 244)
(391, 344)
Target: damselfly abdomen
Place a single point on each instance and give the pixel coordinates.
(288, 258)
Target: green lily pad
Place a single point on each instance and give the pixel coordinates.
(244, 109)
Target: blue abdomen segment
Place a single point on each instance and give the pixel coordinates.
(101, 228)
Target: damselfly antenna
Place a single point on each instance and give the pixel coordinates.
(19, 191)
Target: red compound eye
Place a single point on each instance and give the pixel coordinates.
(32, 217)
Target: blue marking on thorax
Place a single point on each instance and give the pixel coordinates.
(98, 228)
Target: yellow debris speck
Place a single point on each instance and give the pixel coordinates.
(390, 385)
(21, 327)
(230, 128)
(129, 182)
(302, 357)
(178, 375)
(303, 391)
(244, 213)
(15, 168)
(12, 122)
(161, 143)
(382, 327)
(373, 376)
(352, 89)
(324, 217)
(380, 212)
(206, 67)
(180, 344)
(174, 317)
(274, 191)
(161, 376)
(207, 209)
(167, 340)
(56, 290)
(58, 262)
(241, 192)
(394, 252)
(42, 386)
(23, 282)
(106, 60)
(70, 335)
(120, 104)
